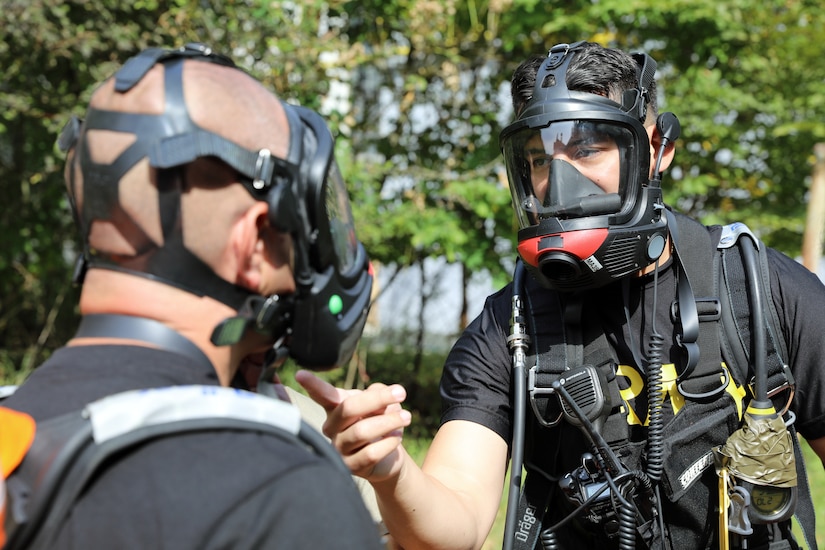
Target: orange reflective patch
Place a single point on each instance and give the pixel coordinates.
(2, 520)
(16, 435)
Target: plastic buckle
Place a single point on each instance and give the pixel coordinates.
(707, 309)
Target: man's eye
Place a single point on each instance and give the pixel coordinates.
(540, 162)
(585, 152)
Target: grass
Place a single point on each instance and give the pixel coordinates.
(816, 478)
(816, 481)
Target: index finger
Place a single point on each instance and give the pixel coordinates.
(321, 391)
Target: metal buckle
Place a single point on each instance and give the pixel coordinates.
(263, 169)
(556, 55)
(789, 385)
(708, 395)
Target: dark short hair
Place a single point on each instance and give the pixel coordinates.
(594, 69)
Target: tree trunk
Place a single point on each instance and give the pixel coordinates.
(815, 222)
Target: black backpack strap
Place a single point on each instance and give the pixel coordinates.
(533, 501)
(68, 450)
(548, 357)
(697, 310)
(557, 348)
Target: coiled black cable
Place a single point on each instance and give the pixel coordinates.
(655, 395)
(548, 540)
(655, 401)
(627, 526)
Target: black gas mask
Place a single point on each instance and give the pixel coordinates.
(320, 324)
(578, 165)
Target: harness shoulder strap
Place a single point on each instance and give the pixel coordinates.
(697, 308)
(68, 450)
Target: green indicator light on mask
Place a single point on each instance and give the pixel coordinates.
(336, 304)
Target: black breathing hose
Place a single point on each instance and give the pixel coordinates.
(758, 324)
(517, 341)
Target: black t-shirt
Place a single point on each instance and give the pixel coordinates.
(221, 489)
(476, 381)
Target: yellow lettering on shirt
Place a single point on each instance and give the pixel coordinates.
(636, 386)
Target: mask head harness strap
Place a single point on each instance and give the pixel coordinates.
(551, 81)
(321, 323)
(636, 101)
(171, 140)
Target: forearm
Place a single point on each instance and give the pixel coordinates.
(450, 503)
(420, 512)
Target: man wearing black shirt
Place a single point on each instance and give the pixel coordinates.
(605, 298)
(191, 185)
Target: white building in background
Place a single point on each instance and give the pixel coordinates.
(397, 307)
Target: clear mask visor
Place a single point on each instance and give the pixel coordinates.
(341, 223)
(569, 169)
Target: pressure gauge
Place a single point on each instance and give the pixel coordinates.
(770, 504)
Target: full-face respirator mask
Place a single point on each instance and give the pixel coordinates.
(321, 323)
(578, 165)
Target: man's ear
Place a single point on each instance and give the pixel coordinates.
(655, 144)
(248, 245)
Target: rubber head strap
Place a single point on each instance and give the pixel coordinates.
(169, 140)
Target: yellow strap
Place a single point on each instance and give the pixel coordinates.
(724, 505)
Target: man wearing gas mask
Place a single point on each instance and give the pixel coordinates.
(607, 369)
(216, 229)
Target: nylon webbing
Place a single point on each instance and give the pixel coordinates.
(697, 309)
